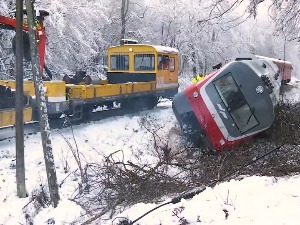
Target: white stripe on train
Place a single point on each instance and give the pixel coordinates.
(164, 85)
(54, 99)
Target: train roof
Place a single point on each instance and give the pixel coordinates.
(165, 49)
(157, 48)
(249, 56)
(273, 59)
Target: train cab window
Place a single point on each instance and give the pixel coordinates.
(235, 103)
(163, 62)
(119, 62)
(144, 62)
(172, 64)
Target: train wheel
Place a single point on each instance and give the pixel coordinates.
(151, 102)
(137, 104)
(87, 111)
(54, 116)
(195, 135)
(110, 105)
(140, 103)
(131, 105)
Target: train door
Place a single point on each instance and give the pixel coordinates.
(173, 67)
(163, 71)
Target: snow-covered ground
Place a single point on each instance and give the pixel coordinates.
(94, 140)
(291, 93)
(252, 200)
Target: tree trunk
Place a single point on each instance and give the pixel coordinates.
(124, 11)
(20, 161)
(194, 61)
(42, 108)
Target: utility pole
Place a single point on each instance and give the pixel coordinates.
(20, 162)
(42, 107)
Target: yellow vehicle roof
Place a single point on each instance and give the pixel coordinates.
(143, 48)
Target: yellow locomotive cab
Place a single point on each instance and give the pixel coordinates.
(144, 63)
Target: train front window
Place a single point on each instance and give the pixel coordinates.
(119, 62)
(163, 62)
(144, 62)
(172, 64)
(236, 103)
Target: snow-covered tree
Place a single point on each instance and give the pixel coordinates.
(205, 32)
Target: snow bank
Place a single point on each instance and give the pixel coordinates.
(253, 200)
(290, 92)
(63, 214)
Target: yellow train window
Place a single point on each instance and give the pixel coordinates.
(163, 62)
(119, 62)
(144, 62)
(172, 64)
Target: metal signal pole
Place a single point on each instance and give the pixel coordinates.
(20, 162)
(42, 107)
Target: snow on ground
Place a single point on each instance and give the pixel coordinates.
(94, 140)
(291, 93)
(252, 200)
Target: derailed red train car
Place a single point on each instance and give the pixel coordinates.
(229, 105)
(285, 67)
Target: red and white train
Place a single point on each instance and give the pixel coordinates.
(285, 67)
(233, 103)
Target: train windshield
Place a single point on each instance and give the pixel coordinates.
(235, 103)
(119, 62)
(144, 62)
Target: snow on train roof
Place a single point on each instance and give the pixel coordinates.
(252, 56)
(165, 49)
(273, 59)
(158, 48)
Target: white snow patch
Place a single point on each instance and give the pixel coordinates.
(253, 200)
(291, 92)
(63, 214)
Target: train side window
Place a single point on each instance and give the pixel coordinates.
(144, 62)
(235, 103)
(119, 62)
(163, 62)
(172, 64)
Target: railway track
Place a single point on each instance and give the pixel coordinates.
(8, 133)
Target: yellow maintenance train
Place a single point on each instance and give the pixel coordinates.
(137, 76)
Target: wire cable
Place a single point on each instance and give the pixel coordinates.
(191, 194)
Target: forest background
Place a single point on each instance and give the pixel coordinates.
(204, 32)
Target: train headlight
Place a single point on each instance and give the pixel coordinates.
(195, 94)
(259, 89)
(222, 142)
